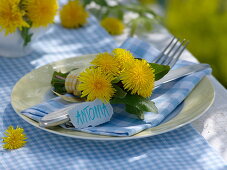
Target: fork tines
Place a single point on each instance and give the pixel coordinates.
(172, 52)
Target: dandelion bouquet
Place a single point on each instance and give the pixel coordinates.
(116, 78)
(26, 14)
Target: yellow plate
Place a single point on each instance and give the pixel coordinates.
(34, 88)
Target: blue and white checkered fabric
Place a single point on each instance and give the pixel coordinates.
(183, 148)
(167, 97)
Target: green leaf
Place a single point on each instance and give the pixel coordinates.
(58, 77)
(120, 93)
(106, 13)
(120, 14)
(58, 82)
(142, 104)
(134, 8)
(59, 88)
(86, 2)
(150, 11)
(101, 2)
(116, 80)
(147, 106)
(135, 111)
(160, 70)
(26, 35)
(148, 24)
(134, 25)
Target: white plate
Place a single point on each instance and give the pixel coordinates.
(34, 88)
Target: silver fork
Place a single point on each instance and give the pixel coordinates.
(171, 53)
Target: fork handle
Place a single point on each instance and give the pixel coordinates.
(181, 72)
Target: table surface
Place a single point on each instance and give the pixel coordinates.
(159, 37)
(211, 125)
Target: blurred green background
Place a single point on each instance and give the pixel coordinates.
(204, 23)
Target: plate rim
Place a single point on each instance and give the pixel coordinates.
(106, 137)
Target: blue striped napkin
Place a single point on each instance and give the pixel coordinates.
(167, 97)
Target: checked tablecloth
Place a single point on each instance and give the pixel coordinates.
(183, 148)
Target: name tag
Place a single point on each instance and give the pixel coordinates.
(90, 114)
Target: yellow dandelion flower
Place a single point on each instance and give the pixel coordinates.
(107, 63)
(113, 25)
(95, 84)
(11, 17)
(138, 77)
(41, 12)
(122, 56)
(15, 138)
(73, 15)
